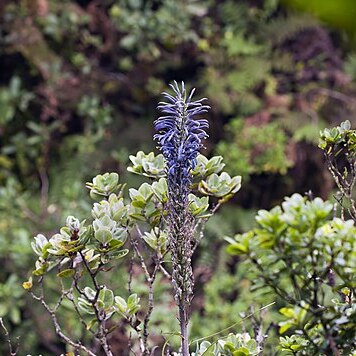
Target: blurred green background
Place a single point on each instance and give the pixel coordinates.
(79, 85)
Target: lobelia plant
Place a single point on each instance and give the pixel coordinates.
(167, 216)
(180, 139)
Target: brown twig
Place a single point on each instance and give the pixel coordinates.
(102, 333)
(13, 352)
(150, 279)
(57, 326)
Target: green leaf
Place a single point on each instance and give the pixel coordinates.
(103, 236)
(288, 312)
(91, 323)
(66, 273)
(85, 306)
(40, 271)
(133, 304)
(241, 351)
(285, 326)
(119, 254)
(106, 296)
(121, 304)
(237, 249)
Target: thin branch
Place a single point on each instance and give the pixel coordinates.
(134, 244)
(150, 278)
(7, 337)
(129, 282)
(165, 272)
(57, 326)
(100, 314)
(231, 326)
(201, 225)
(70, 297)
(150, 307)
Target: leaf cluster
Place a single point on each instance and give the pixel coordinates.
(307, 259)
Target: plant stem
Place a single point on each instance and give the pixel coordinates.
(183, 320)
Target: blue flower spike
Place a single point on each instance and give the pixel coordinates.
(180, 133)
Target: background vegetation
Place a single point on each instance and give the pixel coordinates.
(79, 82)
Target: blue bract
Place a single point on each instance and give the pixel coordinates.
(180, 133)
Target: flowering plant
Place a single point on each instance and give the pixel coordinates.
(167, 216)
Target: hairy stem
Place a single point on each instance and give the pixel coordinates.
(183, 320)
(181, 227)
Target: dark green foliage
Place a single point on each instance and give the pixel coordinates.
(255, 149)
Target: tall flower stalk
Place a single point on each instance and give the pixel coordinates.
(180, 136)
